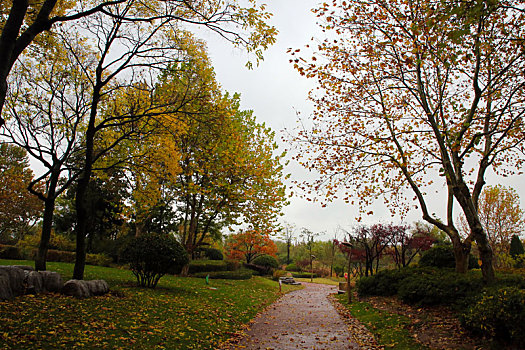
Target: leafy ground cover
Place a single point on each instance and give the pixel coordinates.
(181, 313)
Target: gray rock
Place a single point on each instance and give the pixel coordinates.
(52, 281)
(76, 288)
(24, 267)
(97, 287)
(5, 286)
(34, 282)
(11, 282)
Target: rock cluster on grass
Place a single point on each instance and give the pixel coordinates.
(85, 289)
(19, 280)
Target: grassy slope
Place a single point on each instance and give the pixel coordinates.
(182, 313)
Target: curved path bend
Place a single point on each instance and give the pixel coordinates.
(303, 319)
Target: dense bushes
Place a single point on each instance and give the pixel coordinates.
(10, 252)
(439, 288)
(197, 266)
(385, 282)
(266, 261)
(423, 286)
(242, 274)
(303, 274)
(151, 256)
(210, 253)
(15, 253)
(443, 257)
(293, 267)
(498, 314)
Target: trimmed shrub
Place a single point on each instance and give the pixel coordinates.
(213, 254)
(266, 261)
(197, 266)
(303, 275)
(10, 252)
(242, 274)
(384, 283)
(498, 314)
(438, 288)
(292, 267)
(443, 257)
(259, 270)
(151, 256)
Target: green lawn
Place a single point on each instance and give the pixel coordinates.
(181, 313)
(388, 328)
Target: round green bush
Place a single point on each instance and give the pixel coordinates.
(213, 254)
(498, 314)
(293, 267)
(443, 257)
(151, 256)
(266, 261)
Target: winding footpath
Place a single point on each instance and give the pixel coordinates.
(303, 319)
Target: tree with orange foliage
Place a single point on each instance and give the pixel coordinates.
(249, 244)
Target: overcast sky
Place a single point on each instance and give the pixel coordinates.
(276, 92)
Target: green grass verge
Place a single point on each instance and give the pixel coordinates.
(388, 328)
(181, 313)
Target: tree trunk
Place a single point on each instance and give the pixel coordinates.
(47, 226)
(80, 229)
(486, 255)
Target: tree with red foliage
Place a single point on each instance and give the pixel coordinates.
(250, 244)
(406, 245)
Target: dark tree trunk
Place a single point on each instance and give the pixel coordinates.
(82, 188)
(80, 228)
(47, 221)
(47, 225)
(485, 253)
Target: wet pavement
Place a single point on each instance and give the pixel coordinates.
(303, 319)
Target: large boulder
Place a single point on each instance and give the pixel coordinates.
(11, 282)
(97, 287)
(76, 288)
(52, 281)
(85, 289)
(34, 282)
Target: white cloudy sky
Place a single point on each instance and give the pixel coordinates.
(276, 93)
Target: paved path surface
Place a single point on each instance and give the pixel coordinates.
(302, 319)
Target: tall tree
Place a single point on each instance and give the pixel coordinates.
(21, 21)
(413, 93)
(18, 207)
(46, 107)
(288, 234)
(131, 53)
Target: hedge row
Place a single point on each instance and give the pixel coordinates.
(241, 274)
(15, 253)
(197, 266)
(303, 274)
